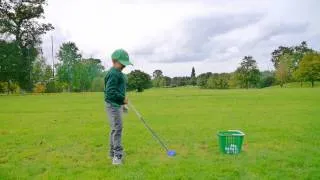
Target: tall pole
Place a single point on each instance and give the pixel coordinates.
(52, 56)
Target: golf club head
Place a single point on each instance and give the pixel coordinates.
(171, 153)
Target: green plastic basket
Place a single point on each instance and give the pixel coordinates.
(230, 142)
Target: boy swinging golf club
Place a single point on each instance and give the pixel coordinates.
(116, 104)
(115, 98)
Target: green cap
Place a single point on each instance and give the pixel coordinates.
(121, 56)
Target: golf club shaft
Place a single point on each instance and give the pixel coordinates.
(154, 134)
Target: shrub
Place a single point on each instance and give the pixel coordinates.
(39, 88)
(54, 87)
(3, 87)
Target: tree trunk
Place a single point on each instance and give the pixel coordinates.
(312, 83)
(300, 83)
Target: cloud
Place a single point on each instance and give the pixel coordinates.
(212, 35)
(192, 42)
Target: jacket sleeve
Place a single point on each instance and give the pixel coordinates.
(111, 85)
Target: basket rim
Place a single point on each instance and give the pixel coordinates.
(240, 133)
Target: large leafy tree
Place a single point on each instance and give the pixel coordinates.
(85, 72)
(138, 80)
(9, 61)
(248, 74)
(309, 68)
(69, 57)
(157, 73)
(293, 55)
(20, 22)
(283, 69)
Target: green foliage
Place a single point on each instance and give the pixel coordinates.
(309, 68)
(193, 79)
(157, 74)
(69, 57)
(97, 84)
(202, 79)
(41, 72)
(248, 74)
(10, 63)
(4, 87)
(9, 87)
(286, 61)
(138, 80)
(39, 88)
(20, 20)
(180, 81)
(267, 79)
(283, 69)
(53, 86)
(76, 72)
(163, 81)
(296, 52)
(218, 81)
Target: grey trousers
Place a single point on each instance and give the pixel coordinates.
(115, 120)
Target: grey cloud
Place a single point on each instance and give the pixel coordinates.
(202, 28)
(198, 32)
(283, 28)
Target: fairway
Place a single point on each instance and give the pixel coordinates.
(65, 136)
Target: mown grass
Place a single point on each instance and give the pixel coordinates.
(298, 85)
(65, 136)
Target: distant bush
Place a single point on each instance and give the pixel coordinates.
(54, 87)
(3, 87)
(39, 88)
(12, 88)
(267, 81)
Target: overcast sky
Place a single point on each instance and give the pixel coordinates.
(174, 35)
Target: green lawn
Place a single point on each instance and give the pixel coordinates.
(65, 136)
(298, 85)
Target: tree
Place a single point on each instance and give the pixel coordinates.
(157, 73)
(267, 79)
(41, 72)
(69, 56)
(193, 80)
(218, 81)
(309, 68)
(157, 78)
(164, 81)
(294, 54)
(202, 79)
(138, 80)
(248, 74)
(280, 51)
(10, 56)
(20, 20)
(283, 69)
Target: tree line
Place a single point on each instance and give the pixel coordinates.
(292, 64)
(23, 66)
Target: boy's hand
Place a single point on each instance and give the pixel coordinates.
(125, 108)
(125, 100)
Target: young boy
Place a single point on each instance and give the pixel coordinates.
(114, 95)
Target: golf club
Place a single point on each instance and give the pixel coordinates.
(154, 134)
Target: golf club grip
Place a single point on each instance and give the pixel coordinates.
(154, 134)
